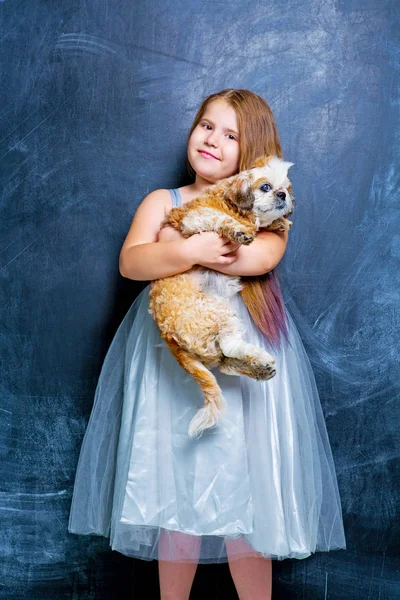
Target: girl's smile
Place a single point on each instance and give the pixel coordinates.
(208, 154)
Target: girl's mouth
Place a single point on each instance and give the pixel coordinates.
(207, 154)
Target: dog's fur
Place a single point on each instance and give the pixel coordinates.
(192, 309)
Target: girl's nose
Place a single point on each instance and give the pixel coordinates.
(212, 139)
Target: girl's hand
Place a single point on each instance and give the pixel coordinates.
(210, 249)
(229, 258)
(207, 248)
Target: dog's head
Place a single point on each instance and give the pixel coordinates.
(264, 190)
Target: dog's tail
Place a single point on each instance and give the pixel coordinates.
(206, 417)
(209, 415)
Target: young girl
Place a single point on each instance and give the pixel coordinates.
(262, 484)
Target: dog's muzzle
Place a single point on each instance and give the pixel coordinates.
(281, 200)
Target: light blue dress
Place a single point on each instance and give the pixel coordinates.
(264, 477)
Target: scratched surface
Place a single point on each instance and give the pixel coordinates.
(96, 102)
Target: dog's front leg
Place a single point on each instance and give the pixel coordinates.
(209, 219)
(281, 224)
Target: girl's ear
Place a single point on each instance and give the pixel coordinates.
(238, 191)
(261, 161)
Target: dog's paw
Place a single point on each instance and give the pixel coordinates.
(263, 365)
(242, 237)
(281, 224)
(287, 224)
(265, 372)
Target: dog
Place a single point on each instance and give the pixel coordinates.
(192, 309)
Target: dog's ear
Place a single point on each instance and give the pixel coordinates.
(261, 161)
(239, 192)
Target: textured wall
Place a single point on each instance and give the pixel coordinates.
(96, 101)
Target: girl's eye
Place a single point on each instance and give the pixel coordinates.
(206, 125)
(266, 187)
(231, 136)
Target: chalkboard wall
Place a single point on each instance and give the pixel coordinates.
(96, 101)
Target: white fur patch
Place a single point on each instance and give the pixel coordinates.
(218, 284)
(275, 172)
(205, 219)
(233, 346)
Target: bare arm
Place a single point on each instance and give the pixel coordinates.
(145, 262)
(142, 258)
(260, 257)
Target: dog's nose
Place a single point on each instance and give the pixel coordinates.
(281, 195)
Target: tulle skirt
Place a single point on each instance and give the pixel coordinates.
(261, 483)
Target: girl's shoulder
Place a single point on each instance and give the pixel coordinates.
(148, 219)
(157, 199)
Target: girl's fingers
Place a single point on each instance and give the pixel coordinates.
(231, 245)
(226, 240)
(227, 260)
(230, 248)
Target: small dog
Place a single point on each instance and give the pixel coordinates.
(192, 309)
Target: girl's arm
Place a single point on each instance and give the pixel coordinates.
(142, 258)
(260, 257)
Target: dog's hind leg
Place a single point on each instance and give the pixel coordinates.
(209, 415)
(237, 366)
(242, 358)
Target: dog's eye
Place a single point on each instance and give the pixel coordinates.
(266, 187)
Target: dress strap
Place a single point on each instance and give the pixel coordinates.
(176, 197)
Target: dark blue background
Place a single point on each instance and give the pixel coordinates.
(96, 101)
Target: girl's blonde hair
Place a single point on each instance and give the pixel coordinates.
(258, 136)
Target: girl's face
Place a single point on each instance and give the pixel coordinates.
(213, 148)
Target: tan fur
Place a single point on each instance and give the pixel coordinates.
(192, 310)
(215, 199)
(261, 161)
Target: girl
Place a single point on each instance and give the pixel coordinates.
(262, 484)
